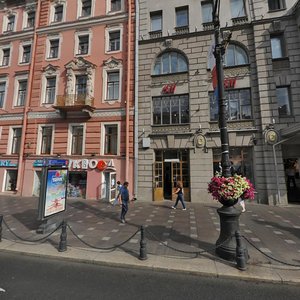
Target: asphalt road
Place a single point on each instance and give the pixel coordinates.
(33, 278)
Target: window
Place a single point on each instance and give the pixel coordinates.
(80, 86)
(207, 9)
(46, 139)
(10, 23)
(16, 140)
(115, 5)
(22, 90)
(50, 90)
(26, 54)
(237, 8)
(156, 20)
(283, 99)
(171, 110)
(182, 16)
(113, 82)
(170, 62)
(58, 13)
(2, 93)
(239, 105)
(235, 56)
(114, 41)
(276, 4)
(83, 44)
(86, 8)
(277, 46)
(5, 57)
(77, 140)
(30, 19)
(111, 139)
(53, 48)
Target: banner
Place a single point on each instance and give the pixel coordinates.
(56, 191)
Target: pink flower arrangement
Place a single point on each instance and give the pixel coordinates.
(231, 188)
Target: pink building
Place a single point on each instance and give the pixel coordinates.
(67, 92)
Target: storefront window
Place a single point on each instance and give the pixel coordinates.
(241, 160)
(77, 184)
(11, 180)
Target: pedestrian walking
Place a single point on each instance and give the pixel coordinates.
(242, 204)
(179, 193)
(119, 187)
(124, 200)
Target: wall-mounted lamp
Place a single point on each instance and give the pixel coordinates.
(58, 154)
(93, 154)
(253, 139)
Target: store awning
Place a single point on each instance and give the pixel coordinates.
(290, 131)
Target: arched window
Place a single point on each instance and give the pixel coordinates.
(235, 56)
(170, 62)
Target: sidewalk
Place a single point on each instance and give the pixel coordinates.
(273, 230)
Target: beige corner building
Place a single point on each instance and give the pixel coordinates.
(177, 112)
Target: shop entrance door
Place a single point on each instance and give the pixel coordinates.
(169, 168)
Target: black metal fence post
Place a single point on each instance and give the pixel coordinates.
(1, 219)
(143, 250)
(63, 237)
(240, 252)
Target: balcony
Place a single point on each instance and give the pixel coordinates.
(182, 30)
(82, 104)
(240, 20)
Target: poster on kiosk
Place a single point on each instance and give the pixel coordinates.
(53, 192)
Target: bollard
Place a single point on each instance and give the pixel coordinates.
(1, 219)
(143, 250)
(240, 252)
(63, 237)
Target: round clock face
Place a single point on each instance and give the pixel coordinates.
(271, 136)
(200, 140)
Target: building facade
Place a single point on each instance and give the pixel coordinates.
(178, 134)
(67, 92)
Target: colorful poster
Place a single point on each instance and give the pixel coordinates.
(56, 191)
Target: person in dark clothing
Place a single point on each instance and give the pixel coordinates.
(124, 200)
(179, 193)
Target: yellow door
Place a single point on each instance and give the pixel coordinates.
(158, 192)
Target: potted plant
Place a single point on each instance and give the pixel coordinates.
(229, 190)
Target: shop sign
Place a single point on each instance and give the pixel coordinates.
(169, 88)
(50, 162)
(229, 82)
(7, 163)
(88, 164)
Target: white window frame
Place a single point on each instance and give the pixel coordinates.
(16, 89)
(10, 139)
(69, 146)
(48, 47)
(103, 137)
(52, 11)
(25, 19)
(108, 8)
(4, 47)
(77, 36)
(44, 89)
(39, 138)
(107, 69)
(4, 79)
(79, 9)
(21, 52)
(5, 22)
(108, 30)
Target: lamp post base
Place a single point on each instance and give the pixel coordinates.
(229, 224)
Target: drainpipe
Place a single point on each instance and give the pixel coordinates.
(27, 103)
(128, 91)
(276, 170)
(136, 98)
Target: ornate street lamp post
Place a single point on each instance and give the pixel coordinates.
(229, 216)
